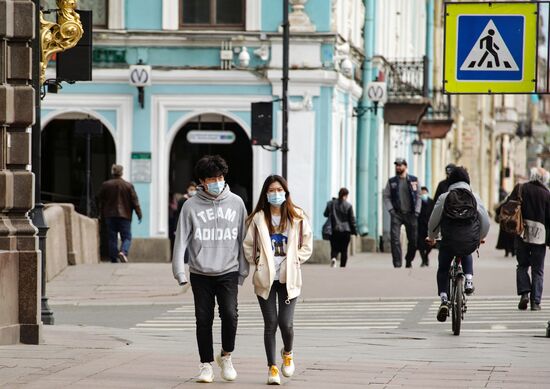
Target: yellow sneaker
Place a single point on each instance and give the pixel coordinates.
(287, 368)
(273, 376)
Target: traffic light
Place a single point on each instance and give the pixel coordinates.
(262, 123)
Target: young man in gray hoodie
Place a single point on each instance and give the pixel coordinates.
(211, 228)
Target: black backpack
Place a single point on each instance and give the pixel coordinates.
(460, 225)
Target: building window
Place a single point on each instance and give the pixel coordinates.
(98, 8)
(228, 14)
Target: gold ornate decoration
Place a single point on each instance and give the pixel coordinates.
(61, 36)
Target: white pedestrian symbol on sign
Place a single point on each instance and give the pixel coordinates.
(490, 52)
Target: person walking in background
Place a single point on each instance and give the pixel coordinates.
(506, 240)
(531, 245)
(117, 200)
(425, 212)
(278, 241)
(402, 201)
(443, 185)
(189, 192)
(209, 239)
(340, 213)
(172, 218)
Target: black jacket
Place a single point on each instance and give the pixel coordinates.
(391, 194)
(535, 205)
(442, 187)
(341, 216)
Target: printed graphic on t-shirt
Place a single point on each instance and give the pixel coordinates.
(278, 245)
(216, 227)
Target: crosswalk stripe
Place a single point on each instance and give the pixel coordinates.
(489, 315)
(173, 329)
(491, 321)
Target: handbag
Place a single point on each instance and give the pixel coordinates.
(327, 227)
(511, 219)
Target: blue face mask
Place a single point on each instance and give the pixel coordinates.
(215, 188)
(276, 198)
(424, 197)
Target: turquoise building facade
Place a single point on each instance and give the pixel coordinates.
(204, 70)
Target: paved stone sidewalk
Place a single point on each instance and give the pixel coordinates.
(95, 357)
(105, 357)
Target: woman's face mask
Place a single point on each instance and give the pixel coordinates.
(276, 198)
(424, 196)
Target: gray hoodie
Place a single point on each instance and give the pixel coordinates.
(437, 213)
(212, 230)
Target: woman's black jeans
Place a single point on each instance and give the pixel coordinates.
(285, 320)
(205, 289)
(339, 242)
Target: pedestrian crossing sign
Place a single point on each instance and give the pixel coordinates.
(490, 47)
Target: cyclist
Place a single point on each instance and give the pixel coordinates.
(463, 223)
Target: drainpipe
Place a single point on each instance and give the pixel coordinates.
(374, 193)
(364, 173)
(429, 73)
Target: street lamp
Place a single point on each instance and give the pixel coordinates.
(417, 146)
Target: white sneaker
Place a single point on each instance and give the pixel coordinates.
(228, 371)
(273, 376)
(333, 262)
(206, 373)
(287, 368)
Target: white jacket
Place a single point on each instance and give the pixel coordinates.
(263, 260)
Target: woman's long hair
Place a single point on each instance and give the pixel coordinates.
(289, 211)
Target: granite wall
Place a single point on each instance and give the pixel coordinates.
(19, 256)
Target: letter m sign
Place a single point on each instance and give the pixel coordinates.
(140, 75)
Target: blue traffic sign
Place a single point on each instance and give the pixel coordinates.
(490, 47)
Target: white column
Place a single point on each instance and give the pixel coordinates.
(253, 15)
(170, 14)
(301, 171)
(116, 18)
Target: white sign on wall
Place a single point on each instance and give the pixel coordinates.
(140, 75)
(141, 167)
(376, 91)
(211, 137)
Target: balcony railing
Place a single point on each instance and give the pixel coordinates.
(440, 107)
(405, 78)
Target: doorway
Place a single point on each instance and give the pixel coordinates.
(63, 175)
(63, 170)
(185, 153)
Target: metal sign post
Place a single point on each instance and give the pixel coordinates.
(286, 38)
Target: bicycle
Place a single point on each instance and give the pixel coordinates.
(457, 297)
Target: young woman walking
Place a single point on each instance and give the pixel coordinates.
(343, 223)
(277, 242)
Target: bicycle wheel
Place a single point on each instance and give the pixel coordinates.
(456, 304)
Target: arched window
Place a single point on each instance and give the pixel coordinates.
(222, 14)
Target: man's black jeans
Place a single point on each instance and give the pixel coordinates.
(206, 289)
(410, 220)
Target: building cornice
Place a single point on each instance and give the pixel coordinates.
(205, 38)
